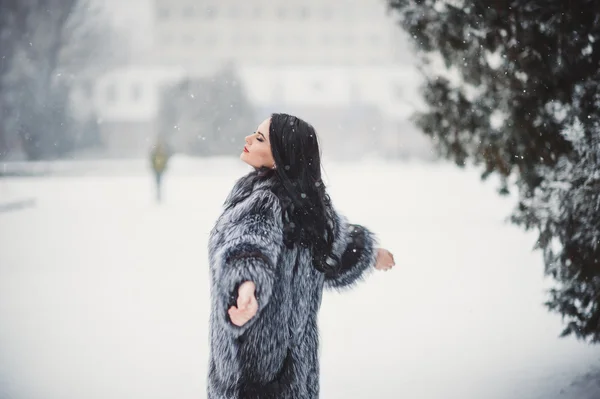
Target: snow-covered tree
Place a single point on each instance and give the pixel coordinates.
(43, 43)
(565, 208)
(513, 86)
(206, 116)
(33, 105)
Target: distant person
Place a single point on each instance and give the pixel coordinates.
(159, 158)
(277, 244)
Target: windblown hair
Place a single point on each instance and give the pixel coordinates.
(306, 206)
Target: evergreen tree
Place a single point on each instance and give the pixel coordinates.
(44, 45)
(207, 116)
(518, 94)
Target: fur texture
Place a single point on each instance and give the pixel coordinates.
(275, 354)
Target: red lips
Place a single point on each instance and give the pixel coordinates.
(246, 150)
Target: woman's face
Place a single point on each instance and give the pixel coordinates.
(257, 152)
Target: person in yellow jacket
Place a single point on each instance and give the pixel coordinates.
(159, 157)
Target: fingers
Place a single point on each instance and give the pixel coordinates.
(245, 294)
(247, 305)
(253, 305)
(385, 261)
(243, 301)
(247, 288)
(242, 314)
(237, 316)
(233, 315)
(390, 261)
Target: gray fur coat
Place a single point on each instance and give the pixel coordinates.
(275, 354)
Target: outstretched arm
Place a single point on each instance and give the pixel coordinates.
(356, 248)
(247, 260)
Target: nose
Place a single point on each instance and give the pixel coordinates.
(247, 139)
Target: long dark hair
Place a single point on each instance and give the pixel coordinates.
(306, 206)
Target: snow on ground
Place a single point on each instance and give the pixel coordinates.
(104, 292)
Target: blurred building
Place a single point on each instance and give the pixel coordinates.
(203, 35)
(125, 102)
(356, 110)
(346, 69)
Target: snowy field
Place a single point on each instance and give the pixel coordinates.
(104, 292)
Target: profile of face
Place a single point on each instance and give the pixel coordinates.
(257, 152)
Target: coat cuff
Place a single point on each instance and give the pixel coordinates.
(358, 258)
(238, 270)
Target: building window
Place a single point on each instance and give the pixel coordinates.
(189, 11)
(136, 92)
(111, 93)
(234, 12)
(211, 12)
(163, 13)
(304, 12)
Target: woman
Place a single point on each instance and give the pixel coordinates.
(278, 243)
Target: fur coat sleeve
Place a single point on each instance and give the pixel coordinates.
(356, 249)
(249, 251)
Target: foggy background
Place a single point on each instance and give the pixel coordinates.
(202, 75)
(104, 289)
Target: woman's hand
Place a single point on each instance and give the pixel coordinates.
(247, 306)
(385, 260)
